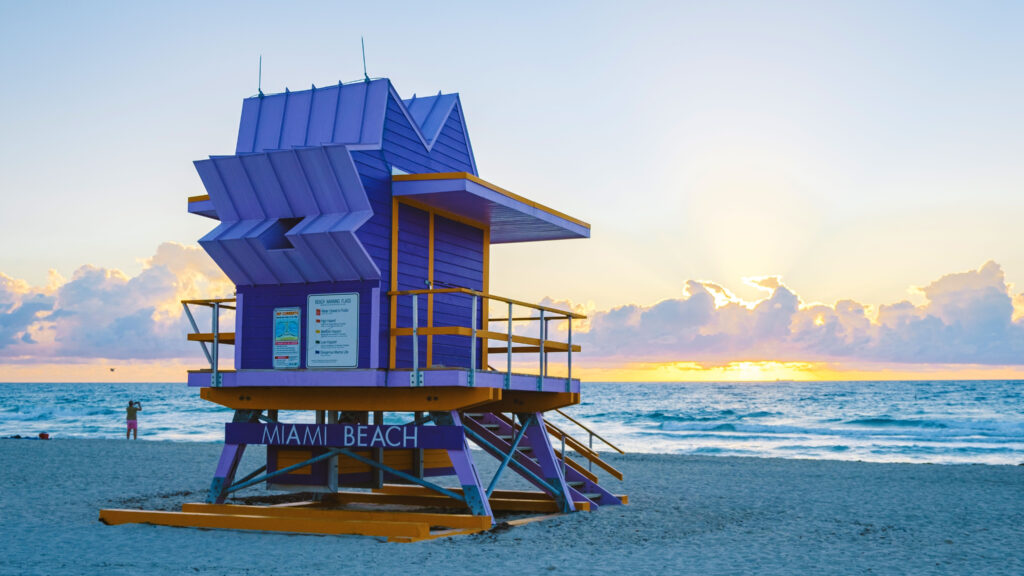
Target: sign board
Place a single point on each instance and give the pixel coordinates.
(287, 337)
(344, 435)
(332, 330)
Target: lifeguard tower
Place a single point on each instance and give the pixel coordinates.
(358, 233)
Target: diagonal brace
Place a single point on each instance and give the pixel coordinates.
(511, 452)
(344, 452)
(521, 468)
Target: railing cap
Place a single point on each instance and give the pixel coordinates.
(565, 313)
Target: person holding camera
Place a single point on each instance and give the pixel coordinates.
(133, 424)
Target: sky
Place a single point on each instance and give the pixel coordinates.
(794, 190)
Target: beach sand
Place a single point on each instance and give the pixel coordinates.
(687, 515)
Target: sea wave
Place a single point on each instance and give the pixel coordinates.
(939, 422)
(993, 432)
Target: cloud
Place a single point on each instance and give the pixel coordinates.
(20, 307)
(104, 313)
(967, 318)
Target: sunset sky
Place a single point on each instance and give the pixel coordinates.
(777, 190)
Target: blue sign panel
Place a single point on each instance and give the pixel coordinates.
(286, 337)
(344, 435)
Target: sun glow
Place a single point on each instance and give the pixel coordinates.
(772, 371)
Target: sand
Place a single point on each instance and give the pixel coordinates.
(688, 515)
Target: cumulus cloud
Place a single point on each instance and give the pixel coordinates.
(104, 313)
(967, 318)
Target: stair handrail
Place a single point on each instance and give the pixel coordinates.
(591, 432)
(561, 455)
(587, 453)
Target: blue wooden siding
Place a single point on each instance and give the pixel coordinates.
(257, 320)
(403, 148)
(413, 269)
(372, 115)
(340, 114)
(458, 261)
(458, 247)
(375, 234)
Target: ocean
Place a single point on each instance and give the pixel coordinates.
(940, 422)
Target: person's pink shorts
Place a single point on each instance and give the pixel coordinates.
(133, 425)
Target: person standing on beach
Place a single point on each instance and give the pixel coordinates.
(133, 424)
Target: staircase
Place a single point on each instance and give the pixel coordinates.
(498, 434)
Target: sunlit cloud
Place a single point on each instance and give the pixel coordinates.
(965, 324)
(103, 314)
(967, 318)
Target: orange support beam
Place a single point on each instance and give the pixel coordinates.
(440, 398)
(223, 337)
(394, 283)
(432, 519)
(430, 297)
(299, 525)
(485, 324)
(529, 401)
(434, 500)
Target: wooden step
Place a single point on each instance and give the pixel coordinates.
(593, 495)
(521, 448)
(577, 484)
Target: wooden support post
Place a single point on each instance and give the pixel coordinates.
(230, 456)
(417, 454)
(378, 453)
(332, 463)
(472, 489)
(537, 438)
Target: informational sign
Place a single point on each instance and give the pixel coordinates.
(287, 337)
(332, 331)
(344, 435)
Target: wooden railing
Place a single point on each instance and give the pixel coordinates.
(215, 337)
(578, 447)
(541, 345)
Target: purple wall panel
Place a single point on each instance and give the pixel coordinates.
(296, 118)
(347, 114)
(271, 114)
(347, 126)
(321, 116)
(247, 126)
(266, 186)
(375, 233)
(458, 260)
(308, 182)
(258, 317)
(413, 267)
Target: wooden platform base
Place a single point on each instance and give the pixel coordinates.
(501, 500)
(314, 518)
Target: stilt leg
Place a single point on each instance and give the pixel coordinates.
(465, 469)
(230, 456)
(551, 468)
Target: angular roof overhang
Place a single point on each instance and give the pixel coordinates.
(510, 217)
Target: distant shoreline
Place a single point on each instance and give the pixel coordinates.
(605, 455)
(918, 380)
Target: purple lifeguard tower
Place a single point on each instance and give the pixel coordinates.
(357, 232)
